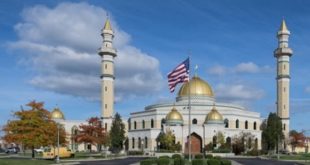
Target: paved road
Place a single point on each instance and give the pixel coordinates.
(125, 161)
(262, 162)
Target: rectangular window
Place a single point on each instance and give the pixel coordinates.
(106, 88)
(105, 66)
(105, 106)
(284, 89)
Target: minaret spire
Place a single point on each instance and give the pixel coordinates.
(283, 54)
(107, 53)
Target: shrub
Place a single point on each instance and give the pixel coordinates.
(135, 152)
(174, 156)
(209, 156)
(214, 162)
(164, 156)
(217, 157)
(148, 162)
(186, 156)
(225, 162)
(178, 161)
(163, 161)
(199, 156)
(198, 162)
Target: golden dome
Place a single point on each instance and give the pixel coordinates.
(57, 114)
(214, 115)
(197, 87)
(174, 117)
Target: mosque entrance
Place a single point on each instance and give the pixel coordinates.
(196, 147)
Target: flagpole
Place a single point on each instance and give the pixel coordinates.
(189, 115)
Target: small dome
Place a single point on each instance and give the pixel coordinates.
(214, 117)
(198, 87)
(57, 114)
(174, 117)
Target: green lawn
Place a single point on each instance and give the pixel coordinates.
(296, 157)
(25, 162)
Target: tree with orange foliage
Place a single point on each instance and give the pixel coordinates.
(92, 133)
(33, 128)
(297, 139)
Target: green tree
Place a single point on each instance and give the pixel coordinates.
(33, 128)
(117, 134)
(167, 141)
(272, 133)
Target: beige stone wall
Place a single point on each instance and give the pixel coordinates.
(107, 96)
(107, 67)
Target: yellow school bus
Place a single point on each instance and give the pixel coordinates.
(52, 152)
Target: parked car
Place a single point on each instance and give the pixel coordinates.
(2, 150)
(14, 150)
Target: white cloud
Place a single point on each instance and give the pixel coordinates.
(244, 67)
(248, 67)
(239, 93)
(217, 70)
(60, 45)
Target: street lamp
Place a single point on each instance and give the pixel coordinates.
(57, 116)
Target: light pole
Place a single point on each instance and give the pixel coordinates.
(57, 116)
(57, 159)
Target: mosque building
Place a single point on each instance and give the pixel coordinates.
(208, 117)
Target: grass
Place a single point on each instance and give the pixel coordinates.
(25, 162)
(295, 157)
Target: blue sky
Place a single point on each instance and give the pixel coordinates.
(48, 52)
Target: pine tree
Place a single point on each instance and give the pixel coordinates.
(117, 134)
(272, 132)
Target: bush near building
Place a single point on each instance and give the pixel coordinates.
(176, 160)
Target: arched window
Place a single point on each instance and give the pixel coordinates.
(228, 140)
(246, 125)
(135, 125)
(249, 143)
(284, 127)
(256, 143)
(145, 142)
(105, 126)
(163, 121)
(254, 125)
(226, 122)
(152, 123)
(194, 121)
(214, 141)
(139, 142)
(237, 123)
(133, 142)
(129, 124)
(143, 124)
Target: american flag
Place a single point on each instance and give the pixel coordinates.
(178, 75)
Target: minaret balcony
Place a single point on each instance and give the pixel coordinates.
(107, 51)
(283, 52)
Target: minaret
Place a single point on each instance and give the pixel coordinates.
(107, 53)
(283, 54)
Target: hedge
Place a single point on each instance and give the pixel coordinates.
(135, 152)
(175, 156)
(197, 162)
(148, 162)
(214, 162)
(199, 156)
(225, 162)
(209, 156)
(164, 156)
(163, 161)
(178, 161)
